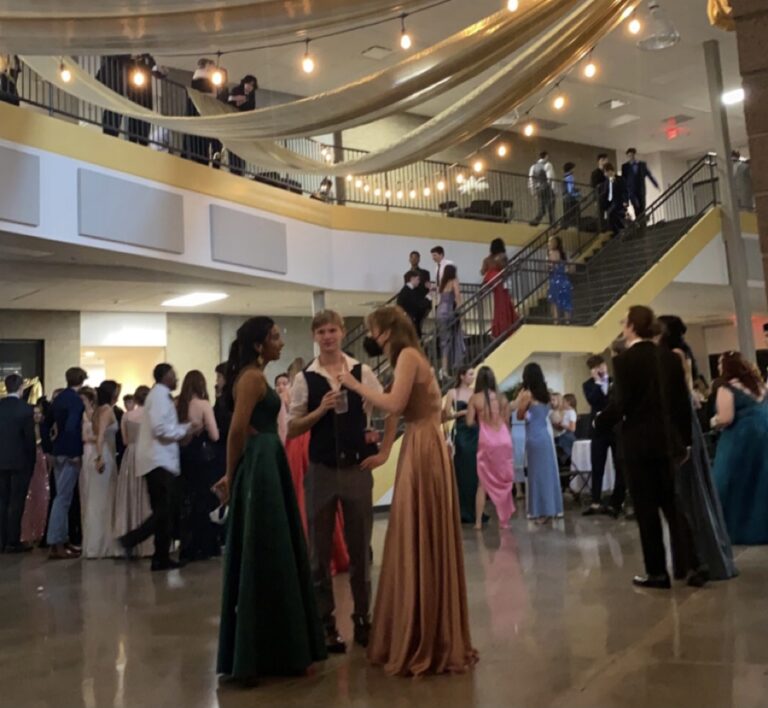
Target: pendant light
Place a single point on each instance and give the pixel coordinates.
(661, 32)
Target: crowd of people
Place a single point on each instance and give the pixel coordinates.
(289, 470)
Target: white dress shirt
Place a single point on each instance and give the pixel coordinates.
(440, 269)
(159, 433)
(300, 391)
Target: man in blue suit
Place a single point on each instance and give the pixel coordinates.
(635, 172)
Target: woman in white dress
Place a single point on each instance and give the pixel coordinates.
(97, 496)
(131, 506)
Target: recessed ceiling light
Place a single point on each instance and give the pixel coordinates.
(731, 98)
(194, 299)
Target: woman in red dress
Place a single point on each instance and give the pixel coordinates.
(504, 313)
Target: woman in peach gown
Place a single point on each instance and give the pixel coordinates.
(420, 620)
(297, 452)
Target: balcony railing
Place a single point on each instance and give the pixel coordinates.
(452, 189)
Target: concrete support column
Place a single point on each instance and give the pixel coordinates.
(751, 17)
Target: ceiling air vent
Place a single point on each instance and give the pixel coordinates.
(612, 104)
(545, 124)
(377, 53)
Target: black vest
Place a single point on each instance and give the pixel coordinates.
(337, 440)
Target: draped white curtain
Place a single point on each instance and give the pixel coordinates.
(412, 81)
(172, 26)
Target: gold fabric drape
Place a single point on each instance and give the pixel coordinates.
(720, 14)
(173, 26)
(35, 390)
(414, 80)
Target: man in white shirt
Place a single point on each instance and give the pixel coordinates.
(339, 447)
(438, 256)
(157, 459)
(541, 183)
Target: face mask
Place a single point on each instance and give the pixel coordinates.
(372, 347)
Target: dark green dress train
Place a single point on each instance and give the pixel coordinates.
(269, 620)
(465, 463)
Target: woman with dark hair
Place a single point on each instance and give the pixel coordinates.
(98, 480)
(38, 495)
(199, 535)
(560, 293)
(545, 496)
(132, 505)
(448, 325)
(464, 442)
(495, 456)
(269, 621)
(243, 98)
(504, 315)
(741, 464)
(420, 621)
(711, 556)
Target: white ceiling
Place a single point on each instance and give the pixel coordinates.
(655, 85)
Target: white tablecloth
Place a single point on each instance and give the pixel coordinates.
(581, 461)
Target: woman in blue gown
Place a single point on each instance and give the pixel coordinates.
(545, 496)
(560, 293)
(741, 462)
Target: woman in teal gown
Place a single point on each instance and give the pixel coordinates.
(269, 621)
(741, 462)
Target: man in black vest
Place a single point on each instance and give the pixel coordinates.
(338, 472)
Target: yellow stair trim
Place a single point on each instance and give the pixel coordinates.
(535, 339)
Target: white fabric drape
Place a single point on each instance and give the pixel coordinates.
(414, 80)
(203, 26)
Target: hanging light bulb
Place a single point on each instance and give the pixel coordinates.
(412, 194)
(138, 77)
(64, 73)
(558, 103)
(440, 186)
(349, 178)
(460, 178)
(399, 194)
(478, 166)
(405, 38)
(358, 183)
(388, 194)
(377, 192)
(529, 130)
(307, 63)
(427, 191)
(367, 188)
(217, 77)
(513, 5)
(502, 150)
(662, 33)
(590, 69)
(329, 156)
(635, 26)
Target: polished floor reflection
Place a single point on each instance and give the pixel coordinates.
(553, 614)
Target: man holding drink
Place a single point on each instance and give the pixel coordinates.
(340, 446)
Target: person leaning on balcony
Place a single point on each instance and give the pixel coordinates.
(242, 97)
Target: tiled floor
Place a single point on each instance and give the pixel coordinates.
(553, 615)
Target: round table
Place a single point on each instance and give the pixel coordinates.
(581, 463)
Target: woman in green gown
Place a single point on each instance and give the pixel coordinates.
(464, 442)
(269, 621)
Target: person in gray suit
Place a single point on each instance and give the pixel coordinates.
(17, 461)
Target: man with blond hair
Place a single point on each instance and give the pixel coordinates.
(339, 472)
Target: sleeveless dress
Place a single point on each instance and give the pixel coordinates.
(465, 463)
(560, 288)
(36, 504)
(545, 496)
(421, 620)
(131, 506)
(504, 314)
(741, 471)
(495, 468)
(449, 331)
(96, 495)
(269, 621)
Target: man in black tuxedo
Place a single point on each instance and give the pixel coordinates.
(651, 401)
(598, 174)
(597, 392)
(613, 199)
(413, 299)
(635, 172)
(415, 260)
(17, 461)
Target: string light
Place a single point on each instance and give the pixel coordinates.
(138, 77)
(217, 78)
(502, 150)
(478, 166)
(529, 130)
(377, 192)
(441, 186)
(358, 183)
(405, 38)
(307, 63)
(399, 194)
(367, 188)
(558, 103)
(513, 5)
(460, 178)
(412, 194)
(388, 194)
(427, 191)
(590, 69)
(64, 73)
(635, 26)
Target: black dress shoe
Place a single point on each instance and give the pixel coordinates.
(18, 548)
(362, 631)
(659, 582)
(333, 642)
(699, 578)
(166, 565)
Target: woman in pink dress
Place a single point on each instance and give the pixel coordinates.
(495, 467)
(36, 505)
